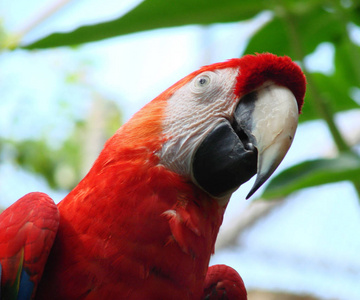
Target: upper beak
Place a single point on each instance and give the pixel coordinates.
(270, 123)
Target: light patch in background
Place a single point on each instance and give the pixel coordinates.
(16, 182)
(354, 33)
(322, 59)
(311, 250)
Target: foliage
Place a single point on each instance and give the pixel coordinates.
(38, 157)
(312, 173)
(296, 29)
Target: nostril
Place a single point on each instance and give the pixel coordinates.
(249, 146)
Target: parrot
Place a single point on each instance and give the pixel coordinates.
(143, 222)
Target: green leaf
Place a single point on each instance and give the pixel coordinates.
(347, 63)
(334, 90)
(311, 28)
(152, 14)
(271, 38)
(353, 12)
(313, 173)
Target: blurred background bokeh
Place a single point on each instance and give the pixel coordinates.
(71, 72)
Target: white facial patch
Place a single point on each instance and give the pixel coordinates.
(192, 112)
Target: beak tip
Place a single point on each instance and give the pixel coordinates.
(260, 180)
(249, 195)
(252, 191)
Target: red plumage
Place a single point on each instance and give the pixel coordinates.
(28, 229)
(132, 228)
(224, 283)
(256, 69)
(122, 212)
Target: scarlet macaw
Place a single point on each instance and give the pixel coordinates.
(143, 222)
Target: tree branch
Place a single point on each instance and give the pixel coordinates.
(13, 40)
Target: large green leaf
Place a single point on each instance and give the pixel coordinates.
(310, 29)
(312, 173)
(332, 89)
(335, 88)
(271, 38)
(309, 16)
(354, 12)
(152, 14)
(347, 63)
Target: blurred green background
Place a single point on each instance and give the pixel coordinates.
(71, 72)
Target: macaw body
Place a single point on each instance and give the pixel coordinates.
(143, 222)
(143, 255)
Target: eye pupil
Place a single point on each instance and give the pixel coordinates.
(202, 81)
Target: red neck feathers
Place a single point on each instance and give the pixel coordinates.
(133, 224)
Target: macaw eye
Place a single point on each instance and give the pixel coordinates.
(203, 81)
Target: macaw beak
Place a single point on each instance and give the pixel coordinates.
(271, 128)
(255, 142)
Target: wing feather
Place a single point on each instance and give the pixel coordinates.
(27, 232)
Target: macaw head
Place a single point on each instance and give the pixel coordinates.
(226, 122)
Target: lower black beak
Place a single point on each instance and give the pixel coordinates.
(219, 158)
